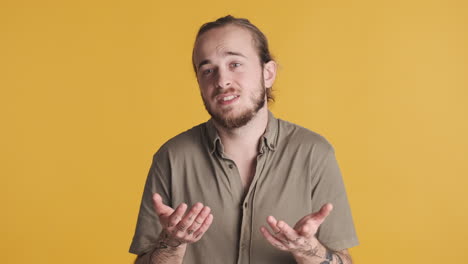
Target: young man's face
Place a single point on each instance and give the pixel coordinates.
(230, 75)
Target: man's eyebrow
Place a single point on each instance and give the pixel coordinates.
(227, 53)
(233, 53)
(203, 62)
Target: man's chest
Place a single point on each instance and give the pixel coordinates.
(280, 187)
(283, 191)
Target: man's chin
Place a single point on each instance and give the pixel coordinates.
(232, 120)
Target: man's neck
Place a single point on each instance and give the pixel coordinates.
(244, 140)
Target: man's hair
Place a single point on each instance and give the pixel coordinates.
(259, 39)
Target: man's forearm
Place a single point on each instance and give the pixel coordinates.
(163, 256)
(319, 254)
(164, 253)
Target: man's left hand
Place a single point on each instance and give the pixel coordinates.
(300, 240)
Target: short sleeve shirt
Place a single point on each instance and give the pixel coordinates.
(296, 173)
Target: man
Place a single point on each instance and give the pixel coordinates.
(243, 187)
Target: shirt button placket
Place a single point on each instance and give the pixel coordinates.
(245, 234)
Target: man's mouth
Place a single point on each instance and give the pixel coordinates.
(229, 97)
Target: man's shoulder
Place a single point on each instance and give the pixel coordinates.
(298, 135)
(187, 141)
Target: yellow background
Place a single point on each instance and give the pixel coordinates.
(91, 89)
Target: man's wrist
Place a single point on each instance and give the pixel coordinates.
(313, 253)
(167, 249)
(166, 241)
(163, 252)
(307, 256)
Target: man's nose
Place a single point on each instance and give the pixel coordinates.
(224, 79)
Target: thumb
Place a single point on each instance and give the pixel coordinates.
(160, 207)
(309, 224)
(323, 213)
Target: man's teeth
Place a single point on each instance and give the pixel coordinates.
(227, 98)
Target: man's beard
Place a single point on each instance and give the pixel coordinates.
(243, 118)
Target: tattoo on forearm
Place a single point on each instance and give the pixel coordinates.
(163, 243)
(328, 257)
(311, 252)
(163, 251)
(340, 261)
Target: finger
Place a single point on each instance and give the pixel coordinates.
(272, 222)
(176, 216)
(198, 221)
(289, 233)
(160, 207)
(206, 224)
(323, 213)
(308, 226)
(302, 221)
(272, 240)
(306, 230)
(187, 220)
(316, 216)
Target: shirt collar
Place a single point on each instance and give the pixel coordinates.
(271, 131)
(268, 139)
(213, 137)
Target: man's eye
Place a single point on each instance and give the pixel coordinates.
(235, 64)
(207, 71)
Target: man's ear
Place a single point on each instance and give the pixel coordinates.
(269, 73)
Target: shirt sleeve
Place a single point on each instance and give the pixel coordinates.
(148, 227)
(337, 232)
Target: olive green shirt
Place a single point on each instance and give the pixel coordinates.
(296, 174)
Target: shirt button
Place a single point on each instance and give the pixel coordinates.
(271, 145)
(245, 205)
(231, 166)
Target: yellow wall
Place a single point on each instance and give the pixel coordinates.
(91, 89)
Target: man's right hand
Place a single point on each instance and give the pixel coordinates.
(180, 227)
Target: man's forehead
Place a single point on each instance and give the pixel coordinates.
(224, 31)
(225, 41)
